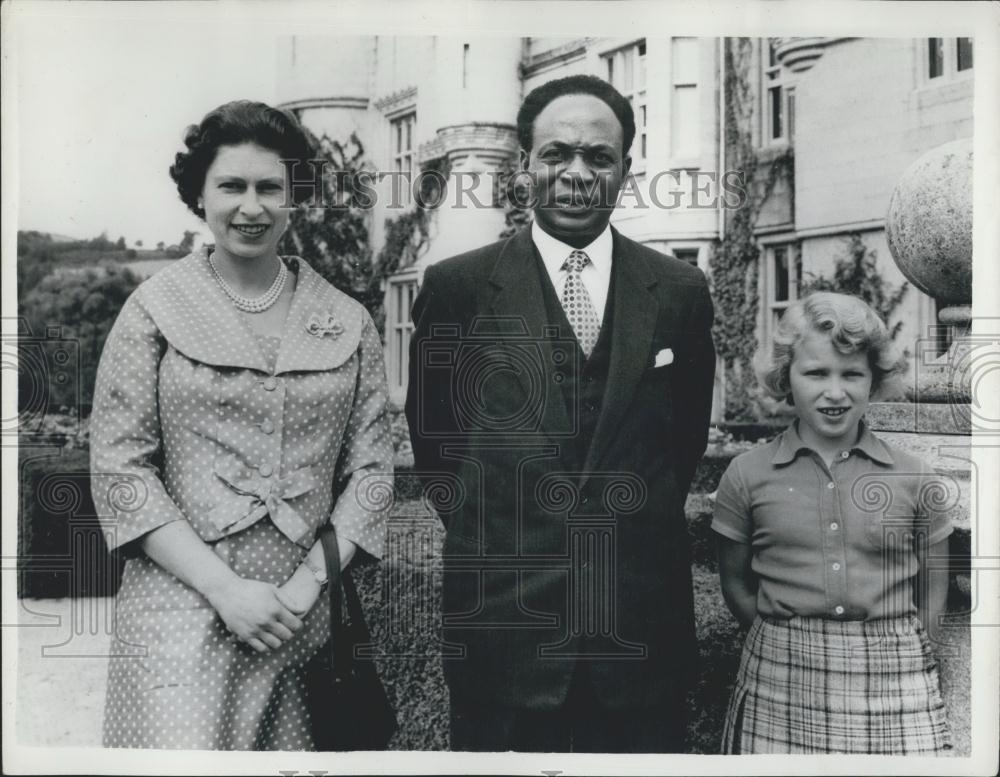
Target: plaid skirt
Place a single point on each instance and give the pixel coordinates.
(809, 685)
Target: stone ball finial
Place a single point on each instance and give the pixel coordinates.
(929, 223)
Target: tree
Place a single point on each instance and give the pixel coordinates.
(333, 235)
(83, 302)
(138, 244)
(187, 242)
(120, 244)
(160, 246)
(857, 273)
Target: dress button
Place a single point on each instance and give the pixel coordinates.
(265, 470)
(839, 610)
(270, 384)
(836, 566)
(834, 526)
(831, 484)
(267, 427)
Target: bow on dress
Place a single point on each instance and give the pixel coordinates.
(252, 496)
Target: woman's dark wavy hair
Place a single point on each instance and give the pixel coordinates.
(241, 121)
(541, 96)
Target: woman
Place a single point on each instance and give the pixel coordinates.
(241, 403)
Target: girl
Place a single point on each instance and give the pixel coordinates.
(824, 535)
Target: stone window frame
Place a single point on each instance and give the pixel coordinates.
(613, 65)
(774, 77)
(949, 48)
(771, 306)
(400, 292)
(685, 250)
(686, 159)
(404, 159)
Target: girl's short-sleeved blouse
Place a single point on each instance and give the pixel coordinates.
(835, 542)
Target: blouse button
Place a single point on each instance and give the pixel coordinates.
(270, 384)
(834, 526)
(265, 470)
(836, 566)
(844, 454)
(267, 427)
(831, 484)
(839, 610)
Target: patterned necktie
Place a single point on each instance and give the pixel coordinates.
(577, 305)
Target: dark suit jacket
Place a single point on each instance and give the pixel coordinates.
(547, 563)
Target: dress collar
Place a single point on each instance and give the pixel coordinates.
(195, 316)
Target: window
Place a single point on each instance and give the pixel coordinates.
(782, 282)
(947, 57)
(626, 71)
(935, 57)
(685, 130)
(963, 47)
(689, 255)
(401, 293)
(778, 108)
(401, 131)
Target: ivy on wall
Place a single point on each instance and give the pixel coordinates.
(333, 235)
(512, 194)
(856, 272)
(734, 264)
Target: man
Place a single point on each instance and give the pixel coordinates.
(560, 385)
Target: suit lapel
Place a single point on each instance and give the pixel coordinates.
(519, 299)
(634, 319)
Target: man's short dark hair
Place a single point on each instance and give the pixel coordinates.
(541, 96)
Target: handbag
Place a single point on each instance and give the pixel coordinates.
(347, 703)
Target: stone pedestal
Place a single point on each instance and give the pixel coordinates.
(929, 231)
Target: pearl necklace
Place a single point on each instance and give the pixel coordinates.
(253, 304)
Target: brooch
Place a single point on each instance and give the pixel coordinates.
(320, 325)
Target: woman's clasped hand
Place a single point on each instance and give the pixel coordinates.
(257, 613)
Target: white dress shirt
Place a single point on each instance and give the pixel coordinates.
(596, 276)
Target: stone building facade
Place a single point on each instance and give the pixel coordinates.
(853, 111)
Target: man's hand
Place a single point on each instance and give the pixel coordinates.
(253, 612)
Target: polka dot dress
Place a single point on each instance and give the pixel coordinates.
(256, 442)
(577, 305)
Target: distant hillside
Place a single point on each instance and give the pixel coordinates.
(38, 253)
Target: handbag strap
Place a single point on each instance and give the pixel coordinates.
(342, 587)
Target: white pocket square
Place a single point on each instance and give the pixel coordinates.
(663, 358)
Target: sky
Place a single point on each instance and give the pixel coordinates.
(102, 107)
